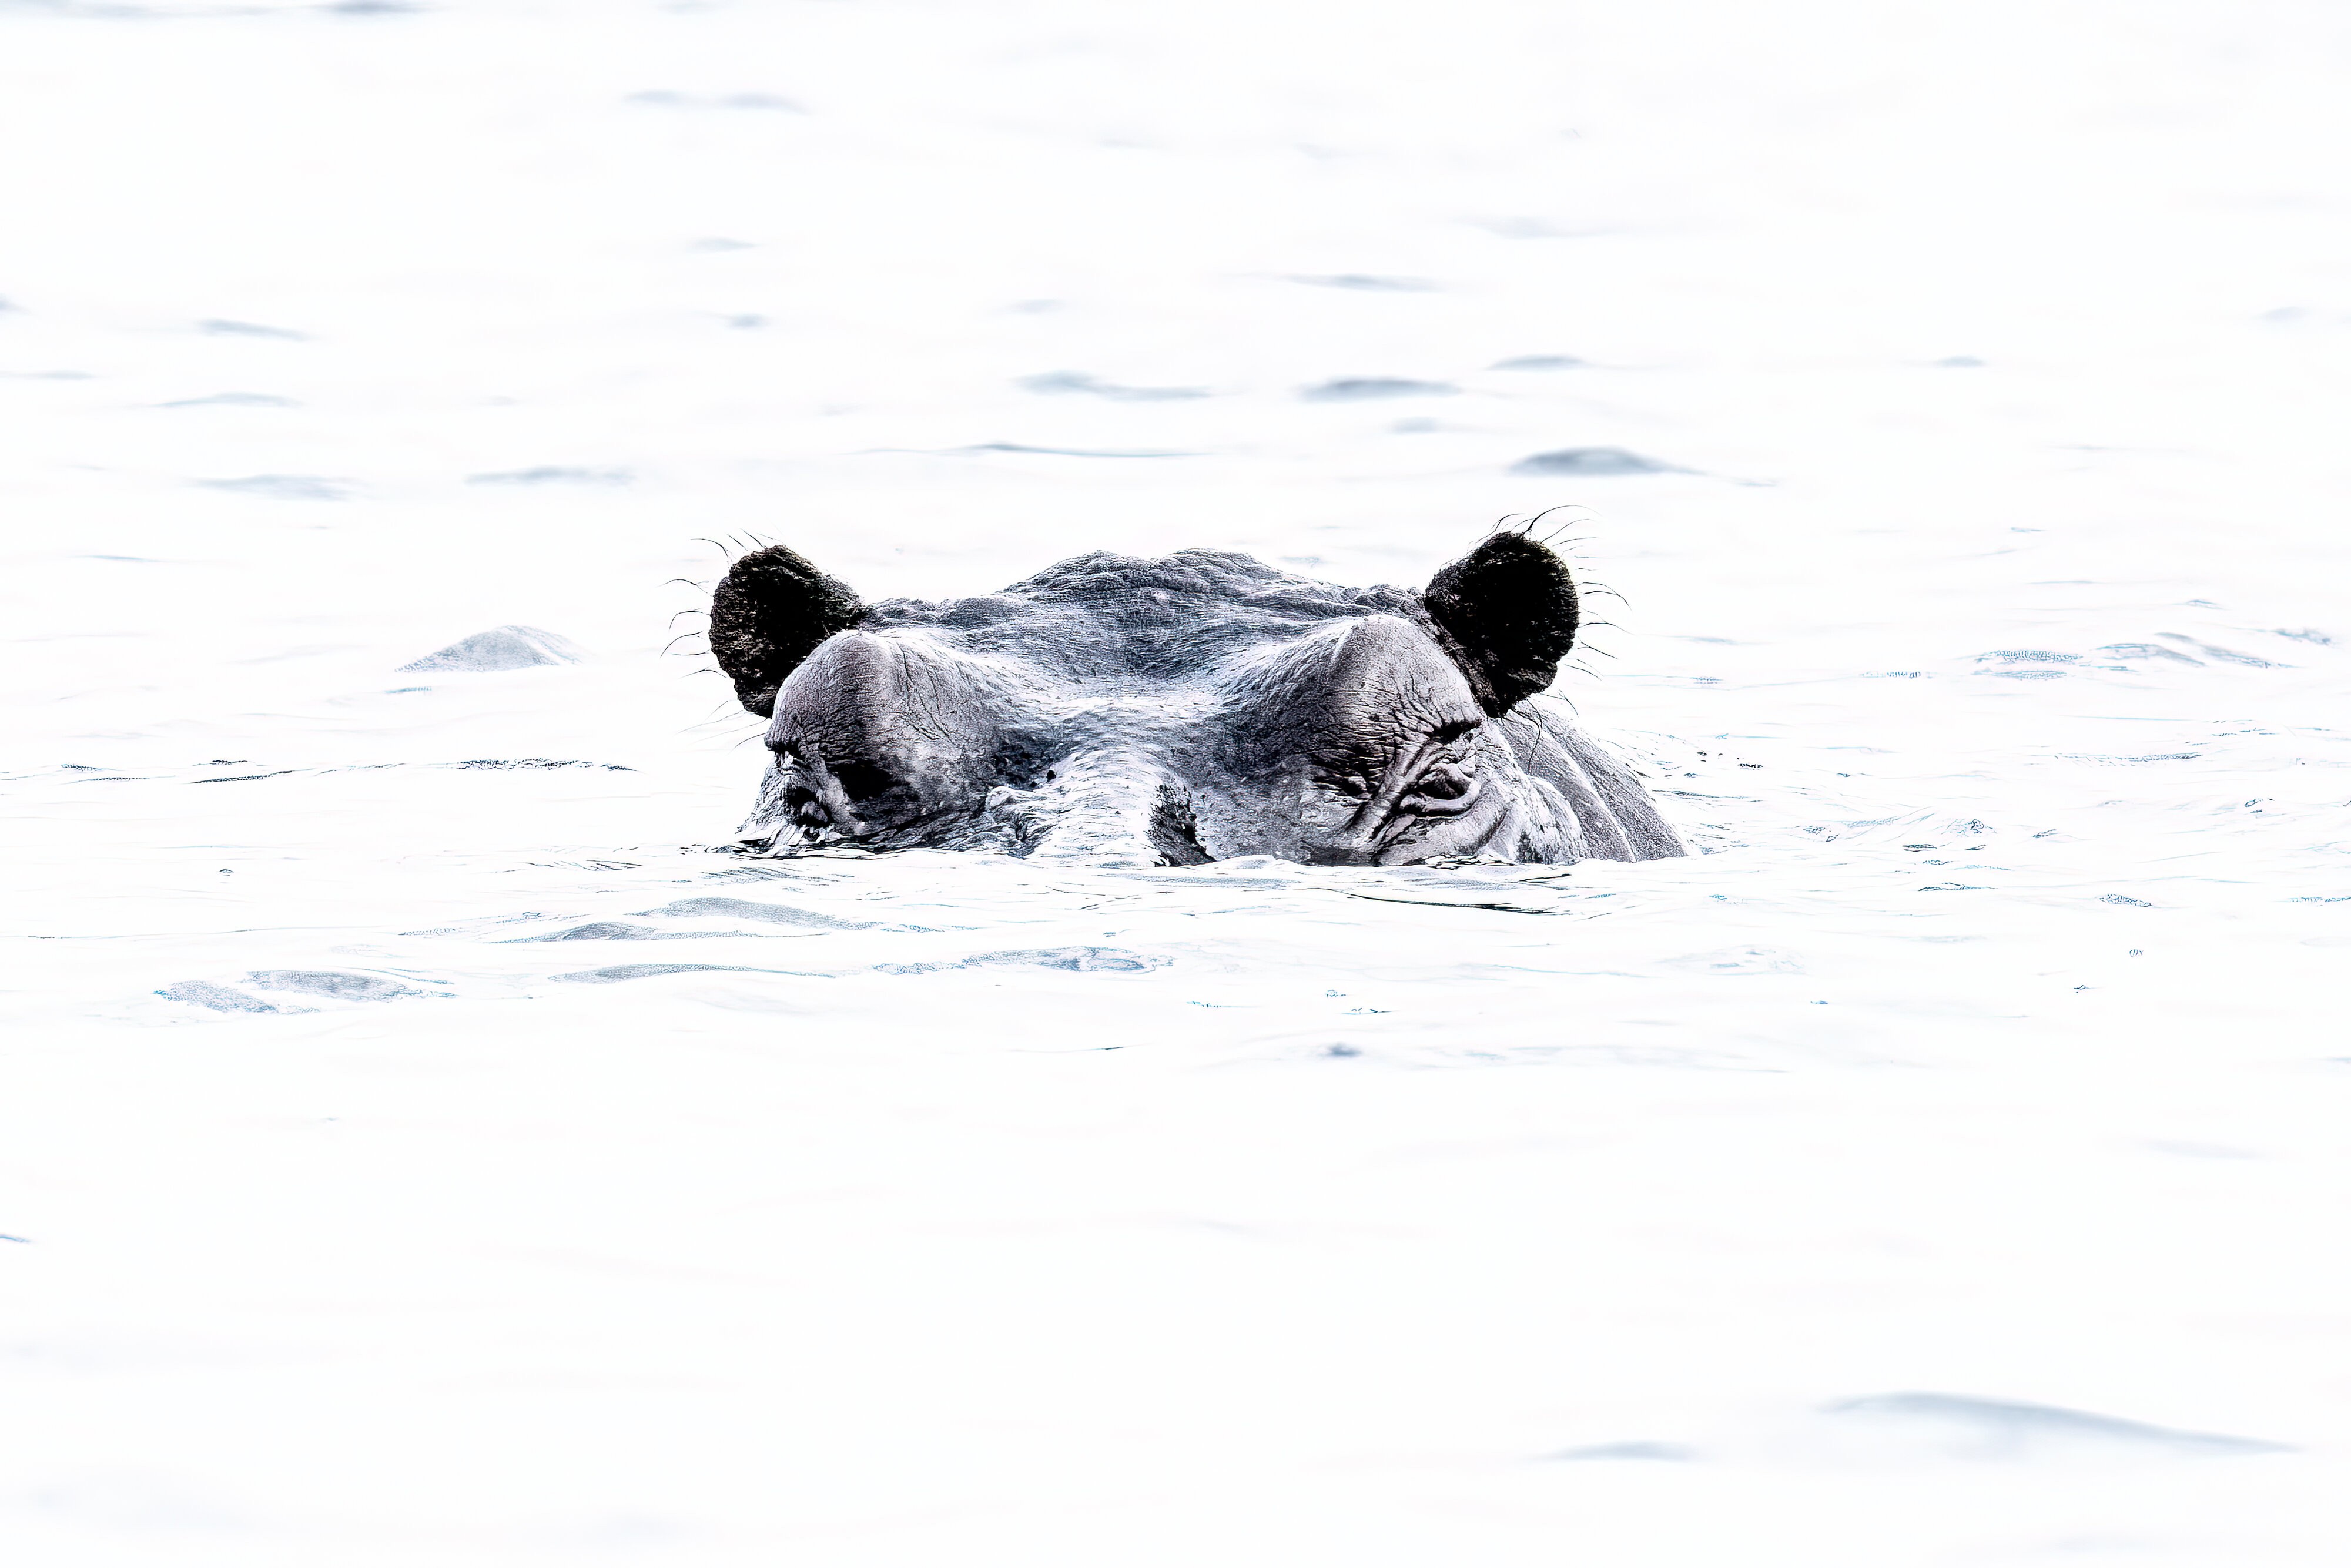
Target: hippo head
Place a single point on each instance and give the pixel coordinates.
(1118, 711)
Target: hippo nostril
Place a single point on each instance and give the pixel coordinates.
(1175, 832)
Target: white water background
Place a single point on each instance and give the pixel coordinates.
(1979, 618)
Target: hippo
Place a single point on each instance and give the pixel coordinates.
(1116, 711)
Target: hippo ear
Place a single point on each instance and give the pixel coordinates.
(769, 612)
(1509, 614)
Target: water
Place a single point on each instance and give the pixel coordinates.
(428, 1141)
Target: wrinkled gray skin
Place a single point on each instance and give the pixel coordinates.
(1121, 712)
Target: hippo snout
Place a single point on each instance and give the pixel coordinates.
(1110, 807)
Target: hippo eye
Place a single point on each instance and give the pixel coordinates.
(861, 781)
(1444, 784)
(1443, 791)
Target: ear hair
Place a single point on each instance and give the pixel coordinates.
(768, 613)
(1507, 612)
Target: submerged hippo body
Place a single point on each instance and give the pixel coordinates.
(1117, 711)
